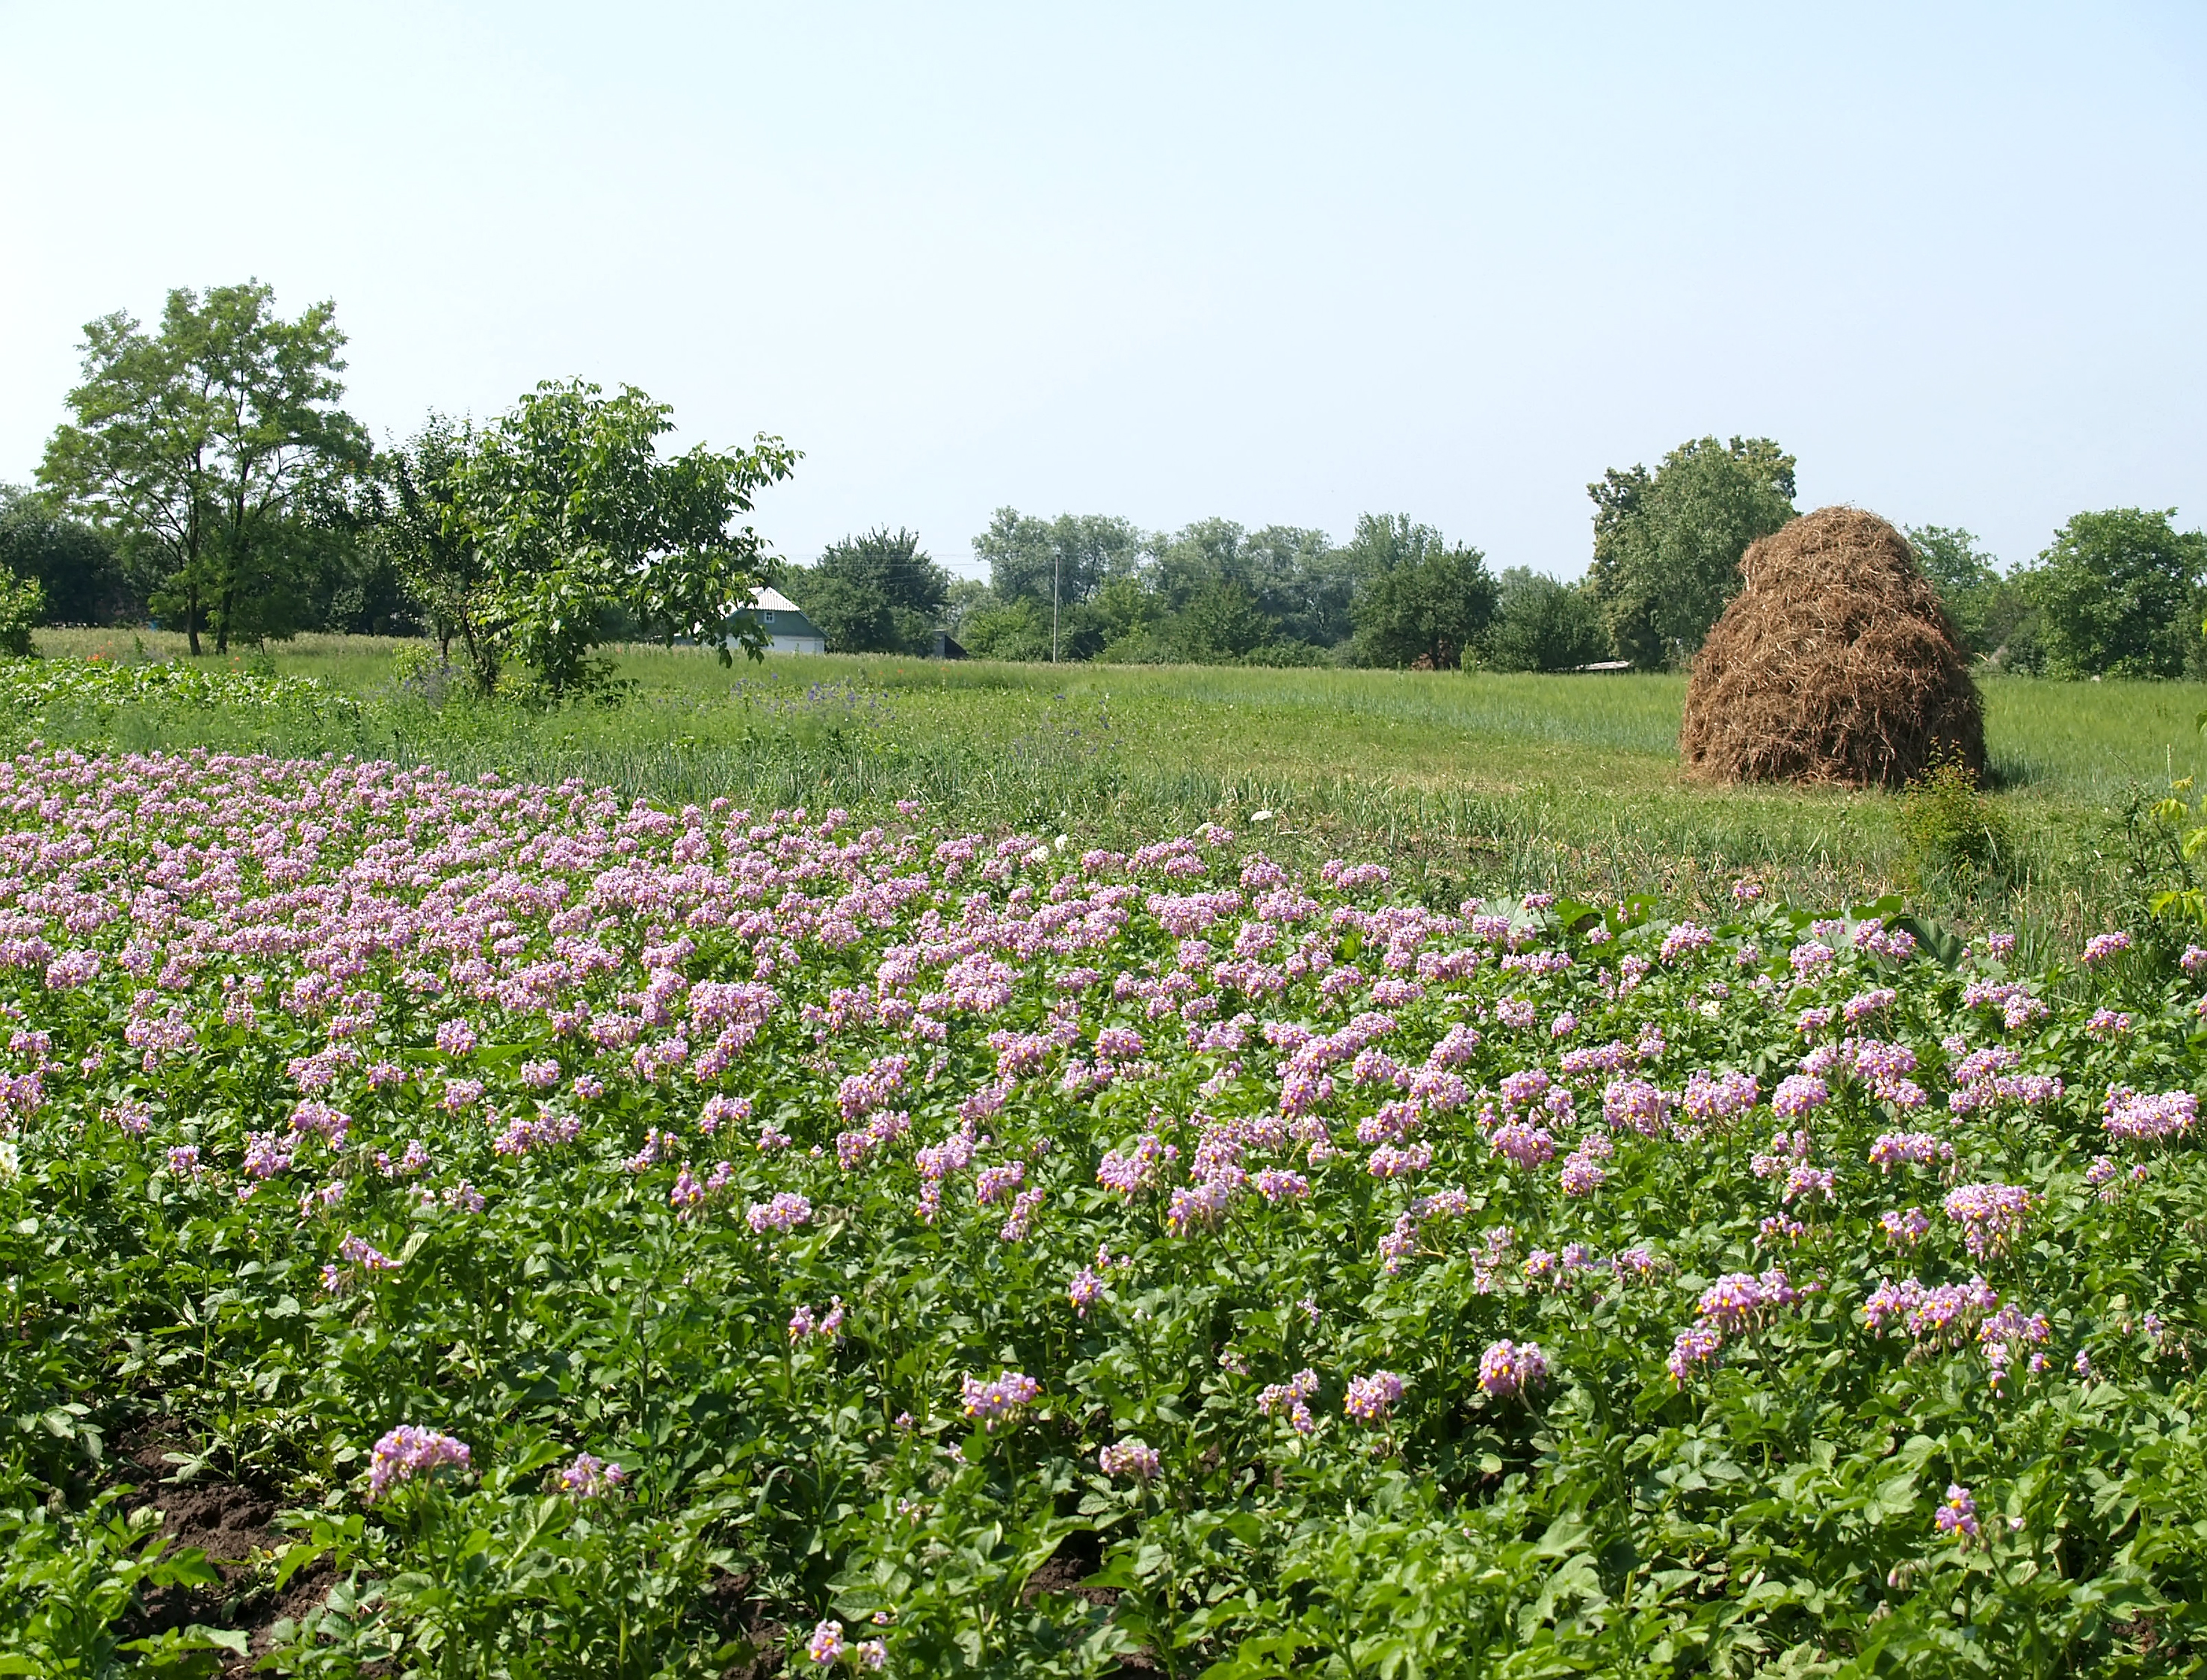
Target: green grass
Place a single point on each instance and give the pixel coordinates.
(1469, 783)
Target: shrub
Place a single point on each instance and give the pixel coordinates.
(1951, 829)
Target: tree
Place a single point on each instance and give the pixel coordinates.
(1418, 599)
(2117, 594)
(416, 521)
(1667, 544)
(197, 444)
(1541, 624)
(74, 564)
(878, 592)
(1966, 577)
(1058, 565)
(566, 512)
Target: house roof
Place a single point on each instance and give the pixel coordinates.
(777, 613)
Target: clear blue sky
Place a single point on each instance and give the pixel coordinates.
(1280, 263)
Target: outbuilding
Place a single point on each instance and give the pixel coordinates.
(788, 630)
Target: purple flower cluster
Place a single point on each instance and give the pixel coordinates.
(1990, 1215)
(2133, 1118)
(590, 1477)
(408, 1451)
(785, 1212)
(1291, 1400)
(1000, 1400)
(1371, 1398)
(1130, 1458)
(1508, 1369)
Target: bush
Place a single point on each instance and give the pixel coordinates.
(1952, 829)
(22, 604)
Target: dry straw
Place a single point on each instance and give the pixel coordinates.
(1835, 663)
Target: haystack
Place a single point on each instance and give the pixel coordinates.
(1835, 663)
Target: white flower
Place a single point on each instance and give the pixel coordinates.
(1261, 816)
(11, 1159)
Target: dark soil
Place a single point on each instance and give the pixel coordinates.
(731, 1611)
(1079, 1555)
(229, 1522)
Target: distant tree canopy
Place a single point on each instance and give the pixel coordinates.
(878, 592)
(1991, 612)
(1419, 599)
(1666, 544)
(2118, 596)
(208, 475)
(80, 576)
(1541, 624)
(1216, 592)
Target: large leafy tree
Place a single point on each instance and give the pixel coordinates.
(562, 515)
(1418, 599)
(1666, 544)
(201, 443)
(2117, 593)
(875, 593)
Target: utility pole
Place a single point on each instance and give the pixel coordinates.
(1054, 559)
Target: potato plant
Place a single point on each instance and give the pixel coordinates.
(638, 1241)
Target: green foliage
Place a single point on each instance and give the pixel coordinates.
(22, 606)
(878, 592)
(1667, 545)
(1993, 614)
(2118, 596)
(562, 511)
(1541, 624)
(1951, 829)
(70, 1581)
(1015, 630)
(1067, 559)
(417, 525)
(1420, 601)
(202, 447)
(64, 692)
(1767, 1512)
(74, 564)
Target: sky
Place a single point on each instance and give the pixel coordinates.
(1282, 264)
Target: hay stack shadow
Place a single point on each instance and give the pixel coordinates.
(1835, 664)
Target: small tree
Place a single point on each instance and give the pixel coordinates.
(2118, 595)
(1541, 624)
(1666, 544)
(1418, 599)
(879, 593)
(197, 444)
(563, 512)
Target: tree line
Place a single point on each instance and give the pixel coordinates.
(208, 479)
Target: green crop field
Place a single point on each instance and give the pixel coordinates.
(984, 1170)
(1478, 783)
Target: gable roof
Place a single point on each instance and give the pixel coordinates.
(777, 614)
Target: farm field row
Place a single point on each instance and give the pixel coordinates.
(517, 1231)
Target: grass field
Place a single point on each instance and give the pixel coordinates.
(1476, 782)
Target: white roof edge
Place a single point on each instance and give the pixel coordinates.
(771, 601)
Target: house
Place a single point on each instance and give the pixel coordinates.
(788, 630)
